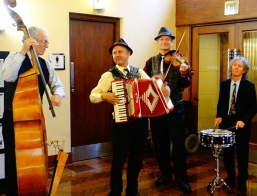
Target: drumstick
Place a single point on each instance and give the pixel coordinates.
(231, 127)
(214, 129)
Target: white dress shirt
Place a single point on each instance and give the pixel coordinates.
(12, 66)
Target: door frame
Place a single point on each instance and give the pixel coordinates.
(240, 29)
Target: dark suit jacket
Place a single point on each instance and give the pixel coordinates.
(245, 106)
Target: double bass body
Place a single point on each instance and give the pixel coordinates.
(30, 136)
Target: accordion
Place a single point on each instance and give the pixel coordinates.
(139, 98)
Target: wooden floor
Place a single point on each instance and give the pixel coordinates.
(91, 177)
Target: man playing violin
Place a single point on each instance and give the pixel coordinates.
(170, 127)
(15, 64)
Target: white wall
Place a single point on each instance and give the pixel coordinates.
(140, 23)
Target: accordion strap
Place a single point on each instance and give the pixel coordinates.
(117, 74)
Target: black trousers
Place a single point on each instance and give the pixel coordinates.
(170, 127)
(128, 139)
(10, 159)
(241, 147)
(242, 151)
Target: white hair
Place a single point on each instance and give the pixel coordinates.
(33, 32)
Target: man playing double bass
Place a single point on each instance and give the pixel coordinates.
(14, 65)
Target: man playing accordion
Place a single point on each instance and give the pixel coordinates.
(128, 138)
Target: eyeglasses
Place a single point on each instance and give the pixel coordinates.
(44, 42)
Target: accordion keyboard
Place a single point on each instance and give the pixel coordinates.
(120, 110)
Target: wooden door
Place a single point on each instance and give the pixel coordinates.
(91, 124)
(241, 29)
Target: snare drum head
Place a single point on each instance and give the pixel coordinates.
(217, 131)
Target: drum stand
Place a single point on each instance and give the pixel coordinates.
(217, 182)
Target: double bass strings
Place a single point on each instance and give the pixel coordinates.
(58, 144)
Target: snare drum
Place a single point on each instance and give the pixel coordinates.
(219, 138)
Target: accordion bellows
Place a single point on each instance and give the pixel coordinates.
(140, 98)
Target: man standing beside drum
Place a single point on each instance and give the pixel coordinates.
(236, 107)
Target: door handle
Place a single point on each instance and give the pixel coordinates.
(72, 76)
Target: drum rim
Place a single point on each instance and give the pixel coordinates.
(217, 145)
(217, 131)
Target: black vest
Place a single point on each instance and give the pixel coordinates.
(173, 77)
(10, 87)
(117, 74)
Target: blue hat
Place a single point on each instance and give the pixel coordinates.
(120, 42)
(164, 31)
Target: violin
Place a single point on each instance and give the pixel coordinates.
(176, 59)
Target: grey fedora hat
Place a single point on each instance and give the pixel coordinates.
(164, 31)
(121, 42)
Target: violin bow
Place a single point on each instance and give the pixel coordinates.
(181, 40)
(166, 73)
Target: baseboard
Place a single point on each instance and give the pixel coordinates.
(253, 152)
(91, 151)
(253, 146)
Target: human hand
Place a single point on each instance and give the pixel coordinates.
(159, 76)
(56, 100)
(27, 44)
(217, 121)
(110, 97)
(239, 124)
(184, 68)
(165, 89)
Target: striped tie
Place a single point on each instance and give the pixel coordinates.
(233, 101)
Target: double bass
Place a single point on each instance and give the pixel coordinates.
(31, 148)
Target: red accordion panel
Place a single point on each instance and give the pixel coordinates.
(140, 98)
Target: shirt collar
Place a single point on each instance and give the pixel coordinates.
(169, 52)
(122, 68)
(237, 83)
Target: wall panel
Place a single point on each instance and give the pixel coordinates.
(197, 12)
